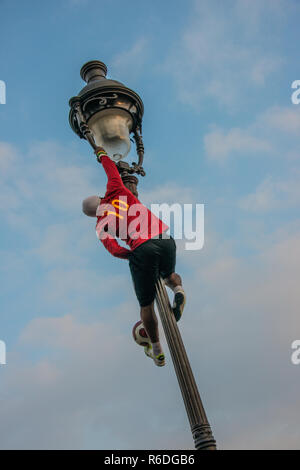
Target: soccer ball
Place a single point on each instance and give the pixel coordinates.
(139, 334)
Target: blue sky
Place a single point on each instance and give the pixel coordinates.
(219, 129)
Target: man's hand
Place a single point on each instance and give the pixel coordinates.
(99, 151)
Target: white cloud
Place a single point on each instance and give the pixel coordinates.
(284, 119)
(263, 68)
(169, 193)
(130, 62)
(273, 194)
(220, 145)
(8, 157)
(262, 199)
(45, 177)
(73, 287)
(220, 55)
(274, 132)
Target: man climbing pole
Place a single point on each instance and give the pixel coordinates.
(152, 252)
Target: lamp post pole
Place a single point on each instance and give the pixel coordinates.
(202, 434)
(104, 113)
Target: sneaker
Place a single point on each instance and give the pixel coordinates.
(159, 360)
(178, 304)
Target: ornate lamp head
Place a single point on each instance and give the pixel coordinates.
(106, 113)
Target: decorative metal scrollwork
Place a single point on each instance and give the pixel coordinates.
(102, 100)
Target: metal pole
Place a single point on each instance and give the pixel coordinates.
(200, 427)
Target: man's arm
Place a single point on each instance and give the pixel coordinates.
(106, 235)
(111, 244)
(105, 230)
(114, 179)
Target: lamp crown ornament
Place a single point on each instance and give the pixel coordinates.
(105, 113)
(93, 70)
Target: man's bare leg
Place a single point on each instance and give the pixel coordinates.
(174, 281)
(150, 322)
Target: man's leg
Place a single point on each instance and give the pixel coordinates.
(144, 267)
(150, 322)
(149, 319)
(174, 281)
(167, 248)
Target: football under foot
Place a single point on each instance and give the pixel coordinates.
(178, 304)
(159, 360)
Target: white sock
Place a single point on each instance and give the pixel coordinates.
(157, 348)
(178, 289)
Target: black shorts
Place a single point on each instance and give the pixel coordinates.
(153, 258)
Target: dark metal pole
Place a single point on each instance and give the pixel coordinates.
(200, 427)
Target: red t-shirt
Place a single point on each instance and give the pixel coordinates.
(121, 214)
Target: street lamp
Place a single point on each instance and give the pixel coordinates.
(106, 113)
